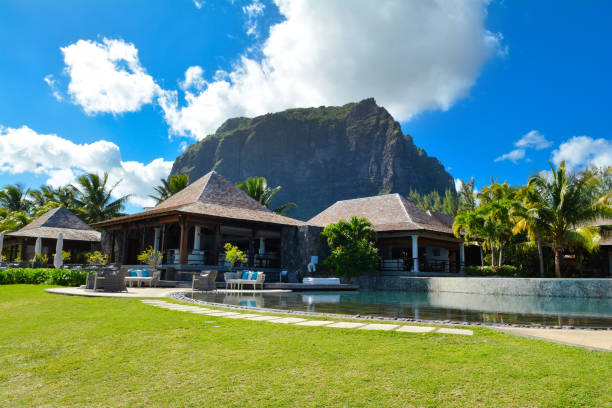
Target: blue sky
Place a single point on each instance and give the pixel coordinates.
(124, 86)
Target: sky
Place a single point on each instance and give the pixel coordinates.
(493, 89)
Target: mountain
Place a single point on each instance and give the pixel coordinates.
(318, 155)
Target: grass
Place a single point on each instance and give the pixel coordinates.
(62, 350)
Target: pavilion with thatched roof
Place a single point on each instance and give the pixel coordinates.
(78, 236)
(192, 226)
(409, 239)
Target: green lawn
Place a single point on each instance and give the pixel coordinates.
(65, 350)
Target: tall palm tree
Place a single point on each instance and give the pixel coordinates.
(257, 188)
(568, 202)
(170, 186)
(470, 226)
(527, 216)
(95, 198)
(15, 198)
(13, 220)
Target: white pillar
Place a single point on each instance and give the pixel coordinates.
(461, 256)
(196, 238)
(262, 245)
(415, 253)
(156, 241)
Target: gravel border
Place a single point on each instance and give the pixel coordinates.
(182, 296)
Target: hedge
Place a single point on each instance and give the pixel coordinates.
(49, 276)
(504, 270)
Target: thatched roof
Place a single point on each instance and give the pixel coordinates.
(57, 220)
(215, 196)
(390, 212)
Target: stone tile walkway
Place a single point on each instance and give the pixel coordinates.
(594, 339)
(303, 322)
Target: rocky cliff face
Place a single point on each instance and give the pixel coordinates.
(318, 155)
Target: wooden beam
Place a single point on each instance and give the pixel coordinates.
(217, 243)
(183, 241)
(123, 247)
(112, 250)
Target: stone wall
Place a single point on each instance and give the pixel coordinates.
(298, 244)
(585, 288)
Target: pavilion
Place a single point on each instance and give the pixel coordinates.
(78, 237)
(409, 239)
(192, 226)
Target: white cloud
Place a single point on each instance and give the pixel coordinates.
(198, 3)
(107, 76)
(515, 155)
(411, 56)
(24, 150)
(252, 11)
(53, 85)
(458, 184)
(581, 151)
(193, 78)
(533, 139)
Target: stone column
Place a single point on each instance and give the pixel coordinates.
(196, 237)
(461, 256)
(415, 253)
(262, 245)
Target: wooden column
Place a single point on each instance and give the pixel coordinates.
(183, 250)
(112, 248)
(163, 241)
(123, 247)
(251, 252)
(215, 251)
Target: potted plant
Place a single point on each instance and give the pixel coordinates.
(234, 255)
(151, 257)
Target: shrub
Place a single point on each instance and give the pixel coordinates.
(151, 257)
(353, 250)
(504, 270)
(36, 276)
(96, 257)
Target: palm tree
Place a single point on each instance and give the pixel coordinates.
(13, 220)
(170, 186)
(349, 232)
(15, 198)
(95, 198)
(527, 216)
(470, 226)
(257, 188)
(567, 203)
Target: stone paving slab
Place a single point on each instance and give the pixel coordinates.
(288, 320)
(447, 330)
(314, 323)
(415, 329)
(264, 318)
(222, 314)
(375, 326)
(242, 316)
(345, 325)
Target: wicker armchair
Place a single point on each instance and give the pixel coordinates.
(205, 281)
(115, 282)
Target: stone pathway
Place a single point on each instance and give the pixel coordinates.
(594, 339)
(304, 322)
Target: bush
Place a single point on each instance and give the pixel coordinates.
(37, 276)
(504, 270)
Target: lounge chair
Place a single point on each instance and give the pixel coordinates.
(229, 276)
(115, 281)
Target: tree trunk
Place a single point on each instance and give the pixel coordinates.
(540, 255)
(482, 256)
(558, 262)
(501, 250)
(492, 256)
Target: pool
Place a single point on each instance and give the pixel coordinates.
(456, 307)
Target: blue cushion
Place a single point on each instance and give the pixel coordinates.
(145, 273)
(245, 275)
(253, 275)
(133, 272)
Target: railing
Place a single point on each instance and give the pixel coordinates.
(425, 265)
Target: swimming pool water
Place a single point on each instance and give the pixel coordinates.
(459, 307)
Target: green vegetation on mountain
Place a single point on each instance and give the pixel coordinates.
(319, 156)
